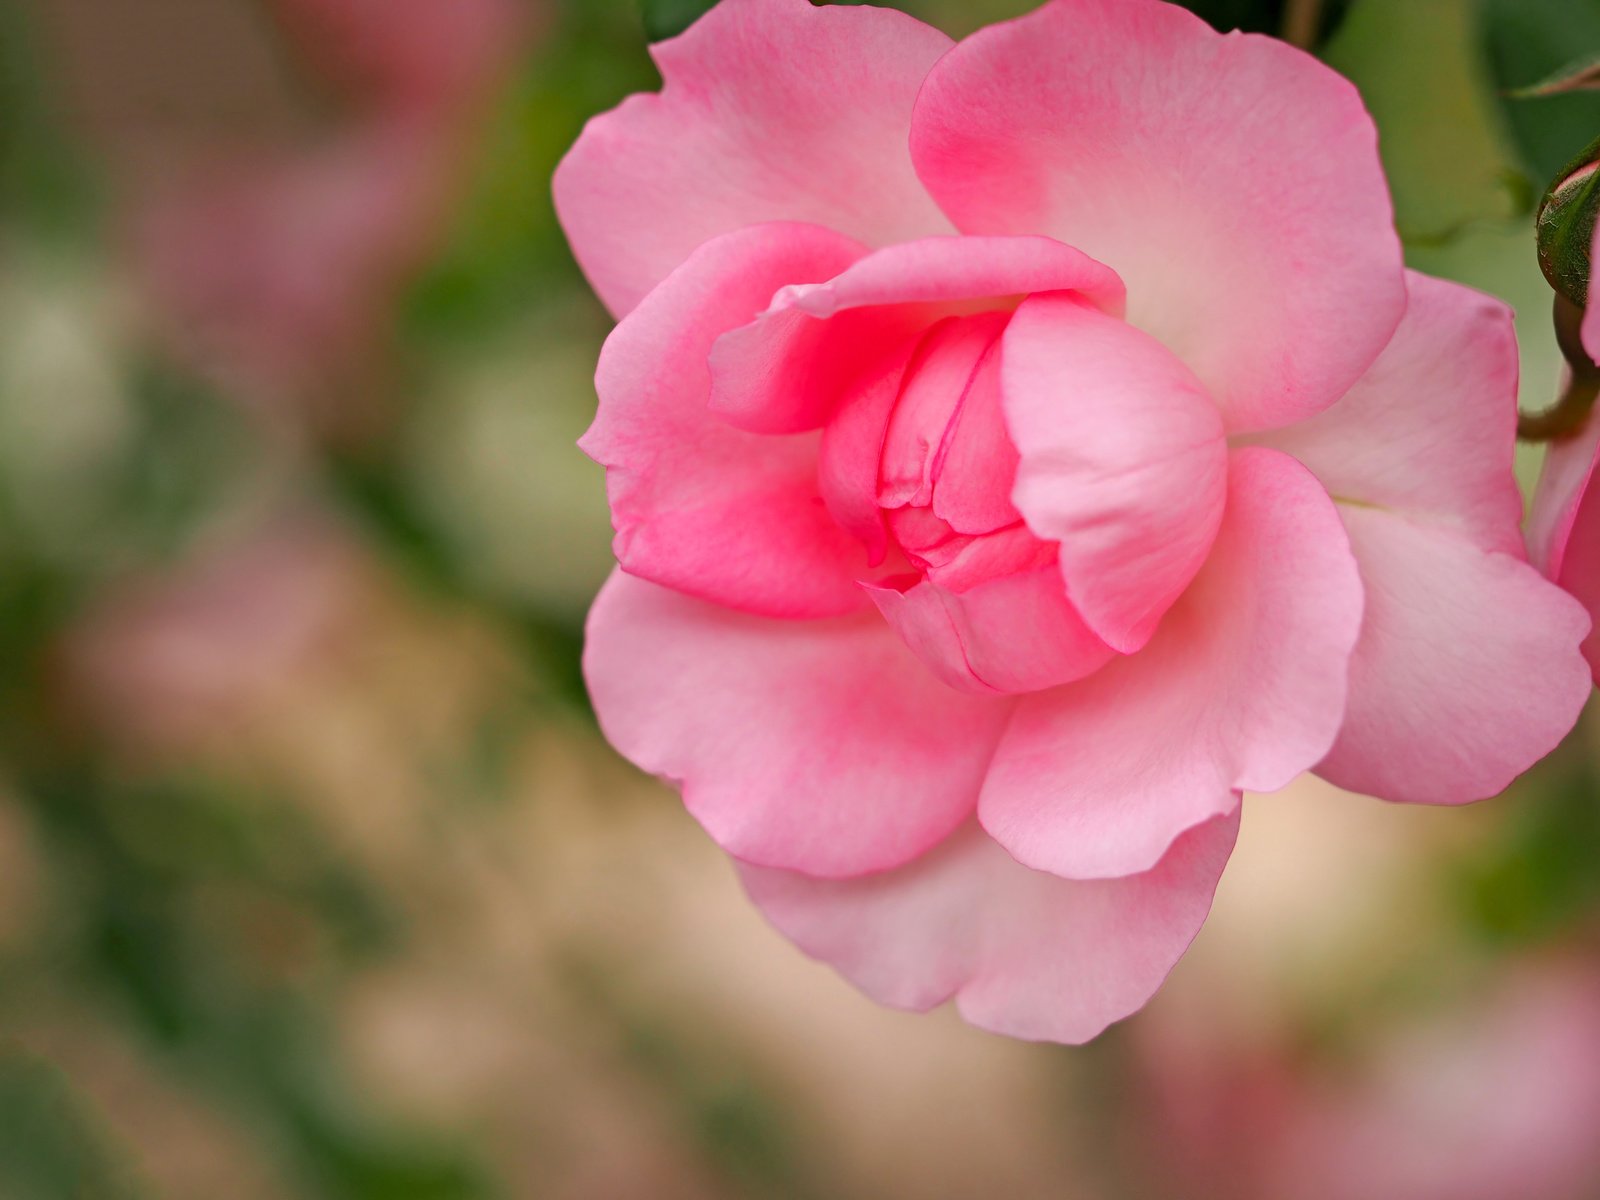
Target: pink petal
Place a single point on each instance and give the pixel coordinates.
(965, 562)
(772, 110)
(1564, 524)
(1568, 534)
(977, 462)
(1023, 953)
(1569, 467)
(1467, 671)
(816, 746)
(1233, 182)
(1123, 461)
(1430, 430)
(786, 372)
(1016, 633)
(699, 505)
(852, 447)
(944, 369)
(1242, 689)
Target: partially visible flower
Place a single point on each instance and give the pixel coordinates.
(169, 660)
(282, 262)
(1017, 451)
(1564, 523)
(273, 261)
(1497, 1096)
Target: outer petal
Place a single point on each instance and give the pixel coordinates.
(817, 746)
(771, 110)
(1467, 672)
(1233, 182)
(1430, 429)
(1565, 524)
(1122, 461)
(785, 372)
(1564, 484)
(698, 505)
(1016, 633)
(1242, 689)
(1023, 953)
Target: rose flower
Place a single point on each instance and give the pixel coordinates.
(1017, 451)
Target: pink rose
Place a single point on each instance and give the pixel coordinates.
(1564, 524)
(1017, 451)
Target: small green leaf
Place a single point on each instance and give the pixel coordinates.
(1566, 224)
(1580, 76)
(1535, 39)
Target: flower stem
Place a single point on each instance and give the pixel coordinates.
(1568, 415)
(1302, 19)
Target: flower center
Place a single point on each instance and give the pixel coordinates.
(947, 466)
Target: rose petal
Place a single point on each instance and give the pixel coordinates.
(1023, 953)
(816, 746)
(1233, 182)
(1016, 633)
(976, 468)
(852, 447)
(698, 505)
(1430, 430)
(772, 110)
(963, 562)
(1564, 523)
(1122, 461)
(1242, 689)
(1583, 582)
(1467, 671)
(1564, 485)
(786, 371)
(944, 369)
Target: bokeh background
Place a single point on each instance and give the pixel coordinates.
(316, 879)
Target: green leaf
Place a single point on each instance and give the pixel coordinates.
(1534, 39)
(1580, 76)
(1566, 224)
(1446, 147)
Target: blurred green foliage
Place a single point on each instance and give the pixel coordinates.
(1450, 160)
(51, 1145)
(1538, 882)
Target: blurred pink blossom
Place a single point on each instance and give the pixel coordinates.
(168, 660)
(275, 264)
(1495, 1099)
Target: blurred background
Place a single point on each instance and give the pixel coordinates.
(316, 879)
